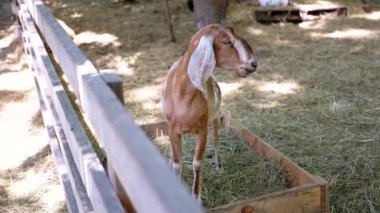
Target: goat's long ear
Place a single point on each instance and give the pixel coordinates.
(202, 62)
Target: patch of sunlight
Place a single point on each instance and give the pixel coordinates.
(283, 88)
(89, 37)
(16, 139)
(53, 197)
(40, 184)
(375, 16)
(8, 39)
(76, 15)
(151, 105)
(18, 81)
(145, 93)
(122, 65)
(340, 106)
(281, 42)
(348, 34)
(255, 31)
(228, 88)
(19, 137)
(319, 24)
(266, 105)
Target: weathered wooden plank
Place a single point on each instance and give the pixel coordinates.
(77, 192)
(59, 162)
(56, 152)
(325, 195)
(122, 139)
(114, 81)
(302, 199)
(133, 156)
(63, 174)
(73, 62)
(277, 14)
(297, 175)
(298, 13)
(100, 190)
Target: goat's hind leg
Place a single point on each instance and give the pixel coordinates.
(215, 140)
(175, 161)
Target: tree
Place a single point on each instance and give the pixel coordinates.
(208, 12)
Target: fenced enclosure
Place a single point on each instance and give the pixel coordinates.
(86, 184)
(129, 151)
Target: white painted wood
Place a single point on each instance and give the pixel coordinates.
(59, 161)
(142, 171)
(99, 189)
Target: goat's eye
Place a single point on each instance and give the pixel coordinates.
(227, 42)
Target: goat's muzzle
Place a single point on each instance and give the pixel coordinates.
(247, 68)
(253, 63)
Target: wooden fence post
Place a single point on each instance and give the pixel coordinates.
(113, 80)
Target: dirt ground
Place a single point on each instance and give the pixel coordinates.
(28, 179)
(315, 96)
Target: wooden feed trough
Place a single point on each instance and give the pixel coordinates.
(305, 192)
(297, 14)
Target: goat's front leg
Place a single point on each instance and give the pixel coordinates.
(215, 140)
(175, 152)
(197, 162)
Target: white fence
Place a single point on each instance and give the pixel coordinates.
(142, 171)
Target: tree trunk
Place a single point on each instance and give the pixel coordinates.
(207, 12)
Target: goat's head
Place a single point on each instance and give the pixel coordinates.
(219, 46)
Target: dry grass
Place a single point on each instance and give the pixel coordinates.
(315, 96)
(32, 186)
(245, 174)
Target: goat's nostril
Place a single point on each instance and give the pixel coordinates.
(254, 63)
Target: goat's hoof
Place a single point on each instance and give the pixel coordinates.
(198, 198)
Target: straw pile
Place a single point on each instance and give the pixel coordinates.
(246, 175)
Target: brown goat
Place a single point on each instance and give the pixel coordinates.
(191, 97)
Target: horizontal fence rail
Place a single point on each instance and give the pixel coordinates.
(87, 179)
(141, 170)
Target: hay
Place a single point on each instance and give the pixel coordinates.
(315, 96)
(246, 175)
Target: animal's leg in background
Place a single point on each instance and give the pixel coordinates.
(197, 162)
(175, 152)
(215, 140)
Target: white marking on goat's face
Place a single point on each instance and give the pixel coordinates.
(243, 53)
(234, 53)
